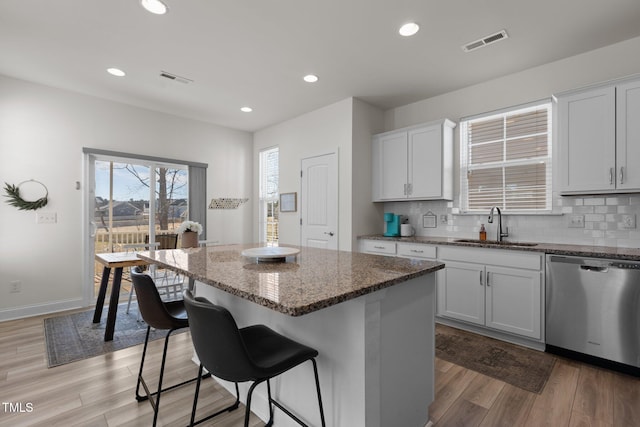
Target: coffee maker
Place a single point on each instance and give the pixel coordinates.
(393, 224)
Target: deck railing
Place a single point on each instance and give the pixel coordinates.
(118, 239)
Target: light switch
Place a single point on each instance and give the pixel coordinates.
(46, 218)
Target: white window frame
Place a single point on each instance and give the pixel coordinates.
(266, 195)
(465, 167)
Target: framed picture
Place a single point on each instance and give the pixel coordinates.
(288, 202)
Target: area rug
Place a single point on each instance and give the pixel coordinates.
(521, 367)
(75, 337)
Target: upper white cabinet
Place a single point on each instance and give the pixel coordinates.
(598, 139)
(628, 136)
(414, 163)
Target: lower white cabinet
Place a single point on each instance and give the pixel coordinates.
(492, 288)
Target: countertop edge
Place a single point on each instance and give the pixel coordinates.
(628, 254)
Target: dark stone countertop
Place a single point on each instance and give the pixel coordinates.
(311, 280)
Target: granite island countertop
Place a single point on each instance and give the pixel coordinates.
(311, 280)
(630, 254)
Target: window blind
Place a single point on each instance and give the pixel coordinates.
(506, 160)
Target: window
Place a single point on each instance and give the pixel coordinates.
(268, 194)
(506, 160)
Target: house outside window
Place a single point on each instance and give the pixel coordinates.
(506, 160)
(268, 194)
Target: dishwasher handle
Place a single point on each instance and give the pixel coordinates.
(594, 268)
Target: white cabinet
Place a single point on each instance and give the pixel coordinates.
(414, 163)
(599, 139)
(628, 136)
(378, 247)
(461, 292)
(416, 250)
(492, 288)
(400, 249)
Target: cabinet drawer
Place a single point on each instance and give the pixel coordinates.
(416, 250)
(379, 247)
(487, 256)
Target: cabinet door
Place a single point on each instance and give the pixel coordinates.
(514, 300)
(586, 138)
(628, 136)
(461, 292)
(390, 166)
(425, 163)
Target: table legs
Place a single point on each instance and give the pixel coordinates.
(113, 305)
(102, 292)
(113, 300)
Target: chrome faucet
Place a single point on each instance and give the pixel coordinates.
(500, 234)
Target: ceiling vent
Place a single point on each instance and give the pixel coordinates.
(175, 78)
(500, 35)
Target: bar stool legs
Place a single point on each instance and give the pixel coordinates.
(230, 408)
(154, 398)
(273, 402)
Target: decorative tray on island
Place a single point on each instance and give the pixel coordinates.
(270, 253)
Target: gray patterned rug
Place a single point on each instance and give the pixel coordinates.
(75, 337)
(521, 367)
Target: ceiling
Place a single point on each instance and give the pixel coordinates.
(255, 52)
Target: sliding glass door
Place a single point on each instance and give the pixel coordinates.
(130, 203)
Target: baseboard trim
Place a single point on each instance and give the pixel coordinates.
(39, 309)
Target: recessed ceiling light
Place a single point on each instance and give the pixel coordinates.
(154, 6)
(310, 78)
(116, 72)
(246, 109)
(409, 29)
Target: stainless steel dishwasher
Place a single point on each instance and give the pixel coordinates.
(593, 309)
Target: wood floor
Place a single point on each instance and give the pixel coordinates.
(100, 391)
(576, 395)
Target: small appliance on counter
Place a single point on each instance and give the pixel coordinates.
(393, 224)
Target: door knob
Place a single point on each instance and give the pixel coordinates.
(330, 233)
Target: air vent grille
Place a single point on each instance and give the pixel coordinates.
(175, 77)
(485, 41)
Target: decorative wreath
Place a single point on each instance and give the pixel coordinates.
(13, 193)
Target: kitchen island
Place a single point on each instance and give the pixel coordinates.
(371, 318)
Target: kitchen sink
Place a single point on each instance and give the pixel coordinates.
(494, 242)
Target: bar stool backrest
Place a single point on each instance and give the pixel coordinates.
(217, 340)
(150, 303)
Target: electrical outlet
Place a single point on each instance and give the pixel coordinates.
(15, 286)
(46, 217)
(576, 221)
(629, 221)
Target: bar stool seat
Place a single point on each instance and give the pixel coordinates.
(255, 353)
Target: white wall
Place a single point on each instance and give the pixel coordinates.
(346, 127)
(602, 224)
(42, 132)
(366, 217)
(322, 131)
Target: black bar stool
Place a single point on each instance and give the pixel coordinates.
(157, 314)
(255, 353)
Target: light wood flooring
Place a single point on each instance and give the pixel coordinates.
(100, 391)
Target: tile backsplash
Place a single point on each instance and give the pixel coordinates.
(605, 220)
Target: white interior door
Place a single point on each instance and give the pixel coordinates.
(319, 202)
